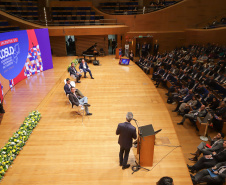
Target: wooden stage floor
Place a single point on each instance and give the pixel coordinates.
(62, 150)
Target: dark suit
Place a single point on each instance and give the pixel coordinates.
(67, 88)
(156, 48)
(73, 72)
(204, 175)
(75, 99)
(207, 163)
(86, 69)
(126, 133)
(191, 84)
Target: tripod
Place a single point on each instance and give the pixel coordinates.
(137, 167)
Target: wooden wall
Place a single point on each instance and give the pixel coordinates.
(203, 36)
(84, 42)
(58, 45)
(183, 15)
(70, 3)
(166, 40)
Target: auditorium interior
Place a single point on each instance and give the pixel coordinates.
(162, 60)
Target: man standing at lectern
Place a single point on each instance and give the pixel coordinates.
(127, 133)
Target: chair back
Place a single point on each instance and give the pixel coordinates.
(72, 84)
(207, 117)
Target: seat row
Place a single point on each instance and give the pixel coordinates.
(5, 26)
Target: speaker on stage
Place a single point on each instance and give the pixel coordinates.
(96, 62)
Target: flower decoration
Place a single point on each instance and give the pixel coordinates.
(12, 148)
(75, 61)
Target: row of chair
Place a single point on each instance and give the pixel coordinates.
(72, 13)
(129, 3)
(5, 26)
(77, 18)
(72, 8)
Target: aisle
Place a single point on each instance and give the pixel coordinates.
(62, 150)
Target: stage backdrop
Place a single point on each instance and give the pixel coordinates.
(23, 54)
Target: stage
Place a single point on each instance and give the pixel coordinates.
(63, 150)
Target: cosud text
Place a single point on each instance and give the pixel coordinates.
(6, 52)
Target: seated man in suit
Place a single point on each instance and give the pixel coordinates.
(210, 160)
(183, 99)
(158, 74)
(85, 68)
(67, 86)
(214, 175)
(165, 77)
(77, 100)
(216, 144)
(194, 114)
(127, 133)
(73, 73)
(186, 107)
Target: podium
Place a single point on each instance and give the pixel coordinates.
(118, 53)
(146, 144)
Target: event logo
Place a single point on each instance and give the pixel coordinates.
(13, 52)
(9, 55)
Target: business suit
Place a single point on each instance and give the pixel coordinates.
(67, 88)
(77, 100)
(73, 72)
(191, 84)
(207, 163)
(157, 74)
(204, 175)
(194, 114)
(126, 133)
(156, 48)
(216, 145)
(185, 99)
(190, 103)
(85, 69)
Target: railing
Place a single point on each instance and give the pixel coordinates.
(148, 9)
(207, 22)
(51, 23)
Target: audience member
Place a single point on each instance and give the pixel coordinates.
(210, 160)
(85, 68)
(79, 101)
(194, 114)
(215, 144)
(73, 72)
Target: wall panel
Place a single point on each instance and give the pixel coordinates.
(203, 36)
(58, 45)
(84, 42)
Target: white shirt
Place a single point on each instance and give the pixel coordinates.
(84, 65)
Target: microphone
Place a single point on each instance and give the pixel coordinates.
(134, 120)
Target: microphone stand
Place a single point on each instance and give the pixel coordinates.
(137, 167)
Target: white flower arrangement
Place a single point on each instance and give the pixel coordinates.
(12, 148)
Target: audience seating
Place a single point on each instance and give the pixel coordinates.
(210, 75)
(217, 24)
(129, 7)
(202, 123)
(75, 16)
(5, 26)
(26, 9)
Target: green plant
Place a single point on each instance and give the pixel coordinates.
(15, 144)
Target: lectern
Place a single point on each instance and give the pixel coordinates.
(146, 143)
